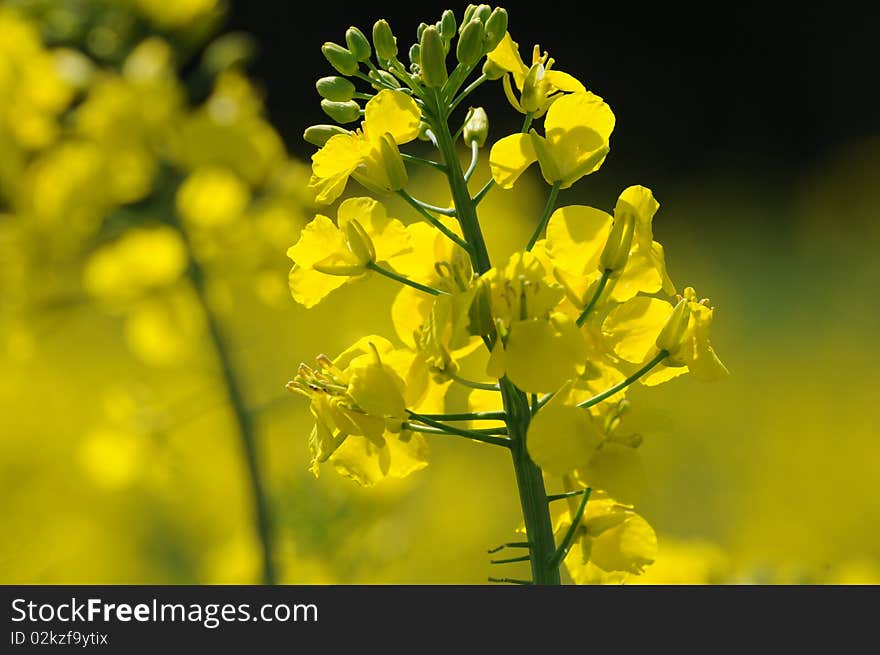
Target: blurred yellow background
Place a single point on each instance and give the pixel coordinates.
(120, 460)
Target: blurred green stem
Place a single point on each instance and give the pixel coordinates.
(243, 419)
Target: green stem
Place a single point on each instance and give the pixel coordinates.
(468, 416)
(563, 496)
(572, 531)
(530, 481)
(485, 386)
(433, 220)
(511, 560)
(432, 427)
(424, 162)
(475, 154)
(659, 357)
(599, 289)
(467, 91)
(243, 419)
(545, 217)
(482, 192)
(373, 266)
(509, 544)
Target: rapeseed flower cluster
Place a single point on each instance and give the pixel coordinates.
(565, 325)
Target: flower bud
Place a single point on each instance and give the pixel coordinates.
(492, 71)
(468, 14)
(340, 58)
(433, 58)
(385, 77)
(476, 126)
(384, 41)
(482, 13)
(671, 335)
(318, 135)
(337, 89)
(342, 112)
(534, 91)
(421, 30)
(496, 28)
(393, 162)
(616, 252)
(414, 54)
(358, 44)
(448, 26)
(359, 242)
(470, 43)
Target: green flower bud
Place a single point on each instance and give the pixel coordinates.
(492, 71)
(384, 41)
(385, 76)
(616, 252)
(342, 112)
(359, 242)
(337, 89)
(421, 30)
(470, 43)
(496, 28)
(482, 13)
(468, 14)
(358, 44)
(340, 58)
(671, 335)
(476, 126)
(433, 58)
(393, 162)
(448, 26)
(318, 135)
(414, 53)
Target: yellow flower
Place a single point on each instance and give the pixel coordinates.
(539, 86)
(577, 129)
(566, 440)
(326, 256)
(362, 154)
(537, 347)
(359, 401)
(576, 235)
(645, 269)
(212, 196)
(613, 541)
(695, 351)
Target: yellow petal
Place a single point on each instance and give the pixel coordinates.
(333, 164)
(389, 236)
(617, 470)
(377, 389)
(564, 81)
(576, 235)
(541, 355)
(630, 546)
(632, 328)
(366, 463)
(511, 156)
(506, 56)
(394, 112)
(561, 436)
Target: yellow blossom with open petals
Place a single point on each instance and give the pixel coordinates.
(539, 84)
(360, 154)
(577, 130)
(327, 256)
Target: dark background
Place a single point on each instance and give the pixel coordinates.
(761, 87)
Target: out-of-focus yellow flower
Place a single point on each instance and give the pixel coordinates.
(177, 14)
(577, 129)
(613, 541)
(359, 401)
(326, 256)
(539, 86)
(142, 259)
(360, 154)
(212, 197)
(691, 562)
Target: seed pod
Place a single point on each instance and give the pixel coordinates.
(433, 58)
(393, 162)
(616, 252)
(476, 127)
(337, 89)
(534, 90)
(470, 43)
(340, 58)
(318, 135)
(358, 44)
(384, 41)
(496, 28)
(342, 112)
